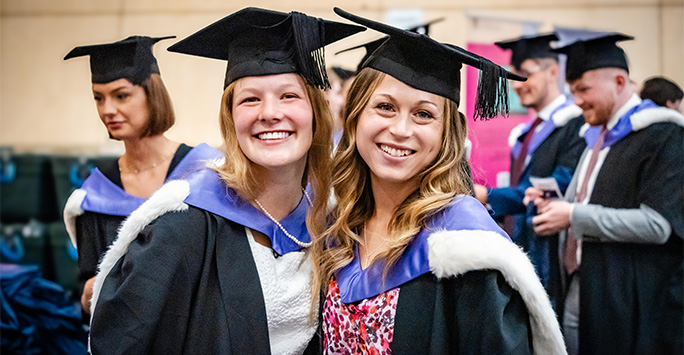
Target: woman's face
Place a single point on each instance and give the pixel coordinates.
(122, 107)
(400, 132)
(273, 120)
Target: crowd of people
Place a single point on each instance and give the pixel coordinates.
(346, 221)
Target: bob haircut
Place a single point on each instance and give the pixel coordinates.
(162, 116)
(441, 181)
(238, 171)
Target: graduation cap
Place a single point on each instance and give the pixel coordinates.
(258, 42)
(529, 47)
(373, 45)
(129, 58)
(343, 74)
(425, 64)
(595, 53)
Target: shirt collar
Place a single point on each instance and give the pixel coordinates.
(545, 113)
(631, 103)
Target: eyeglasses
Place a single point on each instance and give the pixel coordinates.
(528, 72)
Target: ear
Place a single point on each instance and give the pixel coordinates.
(621, 81)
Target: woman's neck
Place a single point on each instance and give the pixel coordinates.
(387, 197)
(280, 190)
(147, 150)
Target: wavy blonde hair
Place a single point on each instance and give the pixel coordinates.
(238, 172)
(441, 181)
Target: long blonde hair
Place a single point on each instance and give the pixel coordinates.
(441, 181)
(238, 172)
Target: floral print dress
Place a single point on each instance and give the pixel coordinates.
(366, 327)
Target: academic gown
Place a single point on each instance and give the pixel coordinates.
(463, 288)
(553, 152)
(631, 293)
(93, 213)
(181, 278)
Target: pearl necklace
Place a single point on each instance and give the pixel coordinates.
(292, 237)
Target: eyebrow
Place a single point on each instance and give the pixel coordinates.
(115, 90)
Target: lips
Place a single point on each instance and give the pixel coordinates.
(395, 152)
(273, 135)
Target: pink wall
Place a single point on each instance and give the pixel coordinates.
(491, 152)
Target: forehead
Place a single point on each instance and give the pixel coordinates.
(113, 85)
(269, 81)
(397, 89)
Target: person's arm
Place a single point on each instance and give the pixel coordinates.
(145, 300)
(634, 225)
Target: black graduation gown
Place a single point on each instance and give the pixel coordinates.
(475, 313)
(95, 232)
(556, 156)
(631, 294)
(201, 294)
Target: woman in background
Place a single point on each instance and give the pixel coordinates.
(136, 109)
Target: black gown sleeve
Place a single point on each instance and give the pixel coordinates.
(489, 317)
(145, 302)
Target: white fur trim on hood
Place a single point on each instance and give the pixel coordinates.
(647, 117)
(515, 133)
(468, 147)
(454, 253)
(72, 209)
(564, 115)
(168, 198)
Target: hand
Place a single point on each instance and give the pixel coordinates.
(480, 193)
(535, 195)
(87, 294)
(553, 217)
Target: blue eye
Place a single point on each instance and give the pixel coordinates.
(424, 114)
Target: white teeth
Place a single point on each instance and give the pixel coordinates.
(273, 135)
(395, 152)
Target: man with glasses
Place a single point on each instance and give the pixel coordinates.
(548, 146)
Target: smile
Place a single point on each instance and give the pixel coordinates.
(273, 135)
(396, 152)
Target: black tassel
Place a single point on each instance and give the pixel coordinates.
(309, 36)
(492, 91)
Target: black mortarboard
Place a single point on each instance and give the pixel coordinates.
(529, 47)
(425, 64)
(129, 58)
(595, 53)
(343, 74)
(258, 42)
(373, 45)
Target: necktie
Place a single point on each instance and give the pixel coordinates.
(519, 163)
(570, 256)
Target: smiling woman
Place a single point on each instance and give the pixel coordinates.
(412, 264)
(217, 263)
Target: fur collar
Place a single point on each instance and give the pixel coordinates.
(647, 117)
(168, 198)
(453, 253)
(564, 115)
(72, 209)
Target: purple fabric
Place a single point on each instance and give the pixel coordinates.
(356, 284)
(210, 193)
(621, 129)
(546, 129)
(104, 196)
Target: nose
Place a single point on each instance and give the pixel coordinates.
(271, 110)
(578, 100)
(108, 107)
(401, 126)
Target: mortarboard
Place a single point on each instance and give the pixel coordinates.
(129, 58)
(258, 42)
(373, 45)
(529, 47)
(343, 74)
(595, 53)
(425, 64)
